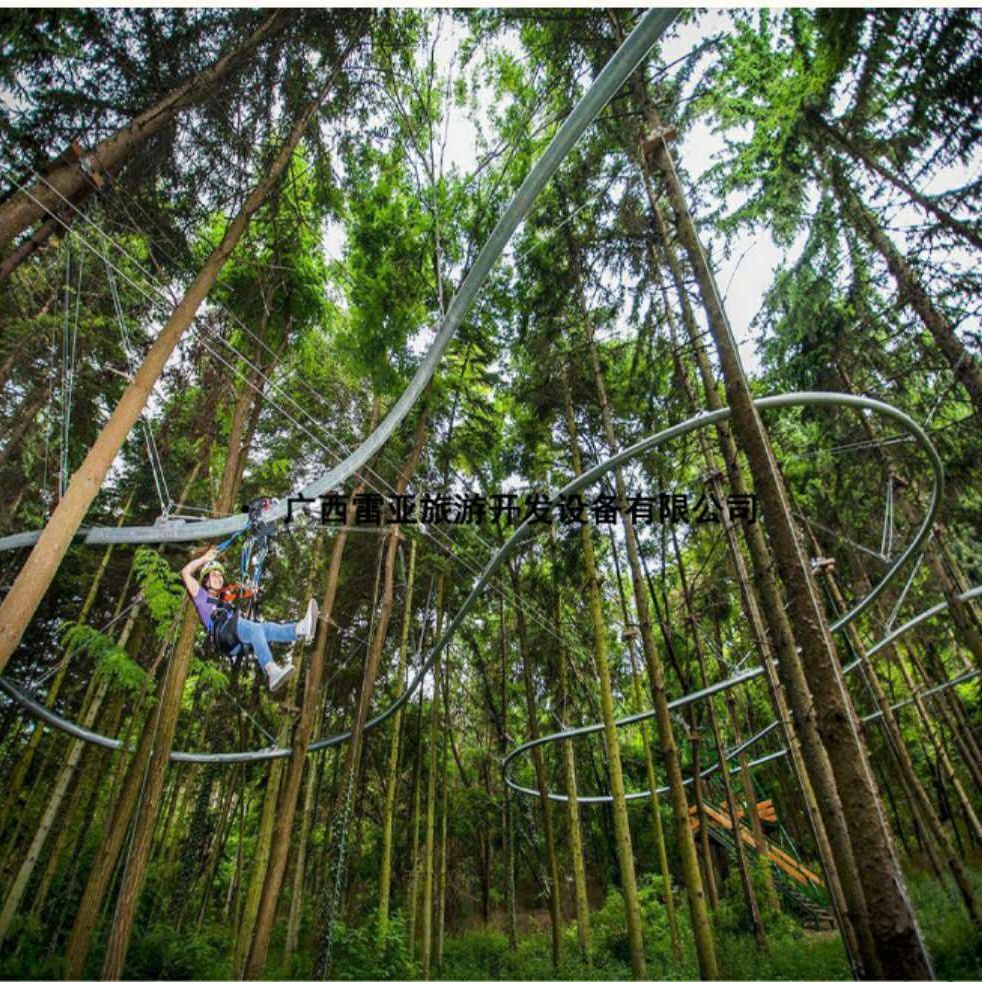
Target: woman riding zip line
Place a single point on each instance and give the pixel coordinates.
(230, 627)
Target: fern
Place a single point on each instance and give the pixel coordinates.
(161, 587)
(111, 661)
(206, 674)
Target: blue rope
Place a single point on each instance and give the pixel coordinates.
(222, 546)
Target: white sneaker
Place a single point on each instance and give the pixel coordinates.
(278, 675)
(307, 628)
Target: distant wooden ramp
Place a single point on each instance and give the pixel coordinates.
(788, 865)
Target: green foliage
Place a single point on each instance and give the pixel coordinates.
(162, 588)
(365, 952)
(206, 675)
(112, 662)
(31, 958)
(162, 952)
(952, 938)
(387, 266)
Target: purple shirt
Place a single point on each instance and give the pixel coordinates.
(204, 603)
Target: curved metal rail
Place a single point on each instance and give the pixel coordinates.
(524, 531)
(606, 85)
(972, 594)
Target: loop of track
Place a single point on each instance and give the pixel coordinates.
(526, 529)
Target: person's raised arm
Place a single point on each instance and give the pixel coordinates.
(187, 574)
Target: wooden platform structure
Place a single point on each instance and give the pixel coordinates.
(720, 818)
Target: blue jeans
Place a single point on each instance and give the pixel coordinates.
(258, 634)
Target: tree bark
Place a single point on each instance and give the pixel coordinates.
(542, 781)
(749, 894)
(66, 179)
(58, 794)
(256, 944)
(413, 892)
(507, 824)
(572, 805)
(964, 365)
(26, 413)
(656, 819)
(622, 828)
(23, 764)
(811, 763)
(59, 222)
(392, 772)
(918, 796)
(855, 149)
(106, 858)
(352, 768)
(299, 871)
(248, 925)
(441, 894)
(698, 914)
(899, 943)
(38, 571)
(428, 854)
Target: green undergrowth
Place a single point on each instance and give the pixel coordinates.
(792, 952)
(161, 951)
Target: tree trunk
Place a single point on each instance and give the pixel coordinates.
(226, 815)
(507, 825)
(59, 223)
(927, 721)
(441, 894)
(855, 149)
(899, 943)
(750, 896)
(352, 768)
(428, 854)
(106, 858)
(66, 179)
(413, 892)
(656, 819)
(38, 571)
(964, 365)
(256, 944)
(261, 861)
(58, 792)
(750, 797)
(622, 828)
(698, 792)
(23, 764)
(306, 821)
(698, 914)
(392, 773)
(918, 796)
(542, 781)
(573, 805)
(25, 413)
(811, 763)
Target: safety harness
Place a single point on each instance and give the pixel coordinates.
(245, 594)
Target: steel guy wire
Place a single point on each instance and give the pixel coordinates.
(242, 325)
(903, 593)
(237, 320)
(156, 465)
(431, 531)
(72, 365)
(232, 315)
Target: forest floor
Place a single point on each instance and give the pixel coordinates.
(160, 951)
(793, 951)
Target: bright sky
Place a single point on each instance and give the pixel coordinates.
(745, 274)
(744, 278)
